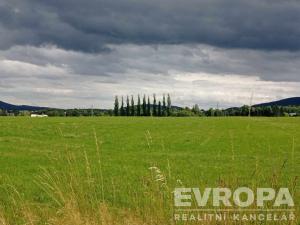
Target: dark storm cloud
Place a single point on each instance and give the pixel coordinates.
(205, 75)
(90, 25)
(59, 52)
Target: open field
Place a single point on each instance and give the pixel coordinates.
(46, 163)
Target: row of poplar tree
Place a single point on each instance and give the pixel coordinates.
(144, 107)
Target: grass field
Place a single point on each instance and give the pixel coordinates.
(47, 164)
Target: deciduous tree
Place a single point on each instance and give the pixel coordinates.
(148, 107)
(144, 106)
(164, 111)
(159, 109)
(169, 105)
(116, 107)
(132, 106)
(127, 106)
(154, 105)
(122, 108)
(139, 106)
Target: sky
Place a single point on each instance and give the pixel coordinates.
(74, 53)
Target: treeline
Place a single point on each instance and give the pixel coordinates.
(268, 111)
(151, 106)
(256, 111)
(143, 107)
(59, 112)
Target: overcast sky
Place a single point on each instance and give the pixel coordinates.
(74, 53)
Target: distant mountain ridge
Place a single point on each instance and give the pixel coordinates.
(295, 101)
(7, 106)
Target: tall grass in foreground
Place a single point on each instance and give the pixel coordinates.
(78, 195)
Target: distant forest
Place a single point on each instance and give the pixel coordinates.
(144, 107)
(164, 108)
(151, 106)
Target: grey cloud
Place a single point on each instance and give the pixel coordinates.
(134, 61)
(191, 73)
(90, 25)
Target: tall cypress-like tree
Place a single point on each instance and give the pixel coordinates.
(144, 106)
(132, 106)
(127, 106)
(164, 111)
(159, 109)
(122, 107)
(169, 105)
(148, 107)
(116, 107)
(139, 106)
(154, 106)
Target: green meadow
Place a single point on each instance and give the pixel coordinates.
(134, 164)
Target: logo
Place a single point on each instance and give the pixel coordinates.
(241, 204)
